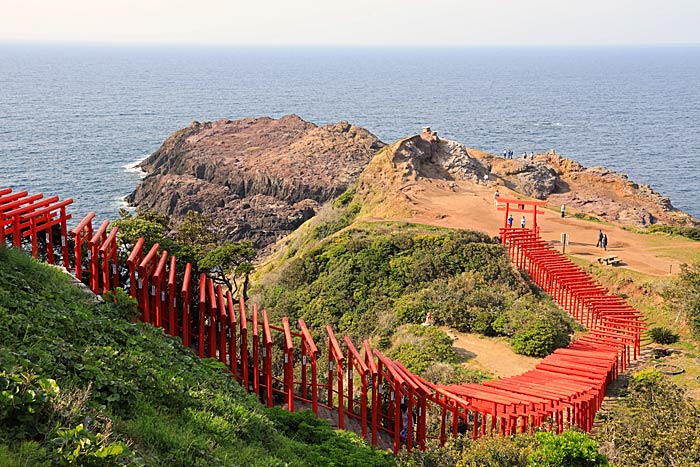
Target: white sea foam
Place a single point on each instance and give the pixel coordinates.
(120, 202)
(133, 167)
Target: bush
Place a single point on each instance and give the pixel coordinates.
(684, 296)
(654, 425)
(536, 326)
(692, 233)
(569, 449)
(25, 402)
(418, 347)
(538, 340)
(663, 335)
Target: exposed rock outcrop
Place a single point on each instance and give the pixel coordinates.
(259, 177)
(596, 191)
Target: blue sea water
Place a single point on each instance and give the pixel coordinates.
(74, 119)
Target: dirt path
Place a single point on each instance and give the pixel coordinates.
(469, 206)
(489, 354)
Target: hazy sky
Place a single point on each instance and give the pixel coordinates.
(360, 22)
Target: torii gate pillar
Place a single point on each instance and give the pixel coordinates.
(526, 206)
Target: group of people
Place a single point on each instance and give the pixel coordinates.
(522, 221)
(602, 237)
(508, 154)
(602, 240)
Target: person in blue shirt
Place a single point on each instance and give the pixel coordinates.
(510, 220)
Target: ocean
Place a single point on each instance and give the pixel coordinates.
(74, 120)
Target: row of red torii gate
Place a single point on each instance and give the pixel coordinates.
(282, 365)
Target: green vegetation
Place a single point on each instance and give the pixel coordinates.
(369, 279)
(663, 335)
(196, 240)
(427, 351)
(569, 449)
(587, 217)
(692, 233)
(82, 384)
(684, 296)
(654, 425)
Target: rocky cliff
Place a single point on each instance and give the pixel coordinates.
(596, 191)
(259, 177)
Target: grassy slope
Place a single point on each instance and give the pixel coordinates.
(129, 382)
(368, 279)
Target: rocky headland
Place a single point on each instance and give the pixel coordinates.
(595, 191)
(260, 178)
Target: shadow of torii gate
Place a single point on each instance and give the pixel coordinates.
(523, 206)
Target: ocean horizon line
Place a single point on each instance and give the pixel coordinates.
(341, 46)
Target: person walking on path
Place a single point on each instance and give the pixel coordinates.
(495, 198)
(522, 222)
(510, 221)
(600, 239)
(605, 242)
(563, 210)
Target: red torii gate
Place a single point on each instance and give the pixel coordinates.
(526, 206)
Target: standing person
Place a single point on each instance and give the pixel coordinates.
(406, 421)
(505, 154)
(524, 155)
(522, 222)
(563, 210)
(495, 198)
(532, 155)
(510, 221)
(600, 239)
(605, 242)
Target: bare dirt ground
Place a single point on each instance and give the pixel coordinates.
(467, 205)
(489, 354)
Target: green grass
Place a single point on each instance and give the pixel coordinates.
(81, 384)
(588, 217)
(368, 279)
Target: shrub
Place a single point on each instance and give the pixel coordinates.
(80, 446)
(684, 296)
(654, 425)
(418, 347)
(569, 449)
(663, 335)
(536, 326)
(692, 233)
(538, 340)
(25, 401)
